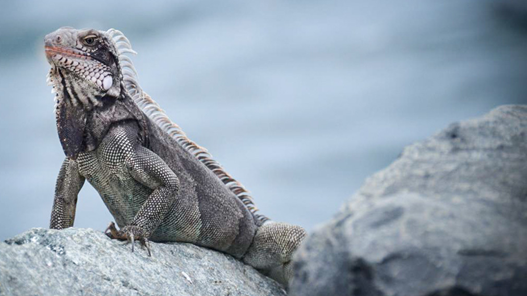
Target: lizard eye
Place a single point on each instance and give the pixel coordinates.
(89, 40)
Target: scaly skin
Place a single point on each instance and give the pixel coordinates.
(158, 186)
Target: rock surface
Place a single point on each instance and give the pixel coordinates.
(448, 217)
(86, 262)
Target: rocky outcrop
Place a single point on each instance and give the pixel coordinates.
(86, 262)
(448, 217)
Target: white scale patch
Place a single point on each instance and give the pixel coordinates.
(107, 82)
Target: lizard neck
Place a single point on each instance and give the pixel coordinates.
(83, 123)
(113, 111)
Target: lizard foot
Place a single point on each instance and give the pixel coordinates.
(129, 233)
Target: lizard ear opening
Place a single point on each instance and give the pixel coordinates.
(112, 84)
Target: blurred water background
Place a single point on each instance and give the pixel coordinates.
(299, 100)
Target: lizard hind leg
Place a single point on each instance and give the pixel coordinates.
(272, 249)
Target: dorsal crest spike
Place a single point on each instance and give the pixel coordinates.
(159, 117)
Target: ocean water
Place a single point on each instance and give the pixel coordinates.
(299, 100)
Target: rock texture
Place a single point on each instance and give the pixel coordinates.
(448, 217)
(86, 262)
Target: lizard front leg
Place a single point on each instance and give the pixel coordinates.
(69, 183)
(149, 169)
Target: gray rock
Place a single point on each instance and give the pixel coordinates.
(448, 217)
(86, 262)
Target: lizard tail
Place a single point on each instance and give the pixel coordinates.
(158, 116)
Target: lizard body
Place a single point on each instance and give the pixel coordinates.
(156, 183)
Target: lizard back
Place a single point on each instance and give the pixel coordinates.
(159, 117)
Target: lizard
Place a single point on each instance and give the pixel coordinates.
(157, 184)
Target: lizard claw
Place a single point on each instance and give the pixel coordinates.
(111, 231)
(131, 236)
(146, 243)
(130, 233)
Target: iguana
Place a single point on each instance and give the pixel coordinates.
(157, 184)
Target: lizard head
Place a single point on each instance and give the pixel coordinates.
(94, 82)
(84, 63)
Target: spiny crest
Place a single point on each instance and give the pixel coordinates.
(152, 110)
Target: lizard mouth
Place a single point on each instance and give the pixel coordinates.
(59, 55)
(54, 50)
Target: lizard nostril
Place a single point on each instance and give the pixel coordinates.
(58, 39)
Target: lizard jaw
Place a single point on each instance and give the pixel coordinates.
(82, 64)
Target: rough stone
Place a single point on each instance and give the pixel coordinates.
(86, 262)
(448, 217)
